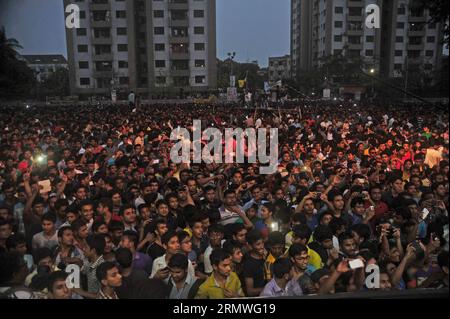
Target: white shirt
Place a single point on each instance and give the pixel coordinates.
(160, 263)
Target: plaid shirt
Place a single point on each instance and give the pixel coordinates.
(90, 271)
(102, 295)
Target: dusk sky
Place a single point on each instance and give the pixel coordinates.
(254, 29)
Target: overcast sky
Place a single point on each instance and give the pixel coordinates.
(254, 29)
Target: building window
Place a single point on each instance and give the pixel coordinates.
(369, 52)
(399, 39)
(121, 31)
(200, 79)
(431, 39)
(432, 26)
(82, 48)
(122, 47)
(400, 25)
(398, 66)
(82, 14)
(401, 11)
(370, 38)
(81, 32)
(158, 13)
(160, 80)
(398, 53)
(338, 38)
(338, 24)
(337, 52)
(123, 80)
(159, 30)
(200, 63)
(160, 63)
(123, 64)
(338, 10)
(428, 66)
(83, 64)
(160, 47)
(429, 53)
(199, 47)
(121, 14)
(199, 14)
(85, 81)
(199, 30)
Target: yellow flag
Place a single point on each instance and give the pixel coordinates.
(241, 83)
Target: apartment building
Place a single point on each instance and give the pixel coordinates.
(149, 46)
(45, 64)
(279, 68)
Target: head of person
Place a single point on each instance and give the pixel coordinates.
(124, 257)
(357, 206)
(80, 229)
(239, 233)
(5, 229)
(13, 269)
(48, 221)
(326, 218)
(170, 243)
(301, 234)
(324, 236)
(319, 277)
(347, 244)
(95, 246)
(385, 280)
(87, 210)
(65, 236)
(130, 240)
(234, 248)
(105, 206)
(256, 241)
(276, 244)
(185, 242)
(230, 198)
(100, 227)
(337, 200)
(160, 227)
(215, 234)
(108, 275)
(299, 256)
(221, 262)
(178, 267)
(128, 213)
(57, 286)
(17, 243)
(282, 269)
(360, 233)
(116, 229)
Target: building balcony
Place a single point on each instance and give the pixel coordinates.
(355, 46)
(179, 55)
(103, 57)
(179, 23)
(101, 23)
(178, 5)
(103, 73)
(417, 19)
(350, 32)
(357, 18)
(355, 3)
(103, 40)
(416, 33)
(178, 40)
(415, 60)
(93, 6)
(180, 72)
(415, 46)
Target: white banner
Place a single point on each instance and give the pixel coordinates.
(232, 94)
(232, 81)
(326, 93)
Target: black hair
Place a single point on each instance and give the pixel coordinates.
(107, 202)
(42, 253)
(50, 217)
(322, 233)
(97, 223)
(362, 230)
(302, 231)
(151, 289)
(132, 236)
(318, 274)
(63, 229)
(124, 257)
(236, 228)
(14, 240)
(97, 243)
(168, 236)
(344, 236)
(276, 238)
(443, 259)
(281, 267)
(182, 234)
(218, 255)
(231, 245)
(179, 261)
(297, 249)
(336, 223)
(253, 236)
(55, 276)
(115, 225)
(102, 270)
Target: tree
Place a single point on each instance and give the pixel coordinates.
(16, 78)
(240, 71)
(57, 84)
(439, 13)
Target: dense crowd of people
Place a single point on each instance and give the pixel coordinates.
(93, 188)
